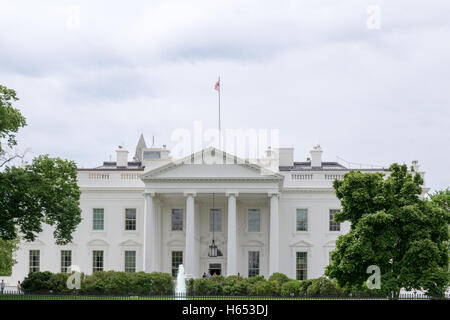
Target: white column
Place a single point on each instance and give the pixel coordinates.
(274, 234)
(232, 235)
(189, 259)
(149, 234)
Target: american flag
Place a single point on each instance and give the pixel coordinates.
(217, 86)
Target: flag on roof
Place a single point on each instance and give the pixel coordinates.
(217, 86)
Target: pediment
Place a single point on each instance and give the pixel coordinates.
(176, 243)
(210, 163)
(36, 242)
(69, 245)
(97, 242)
(130, 243)
(301, 243)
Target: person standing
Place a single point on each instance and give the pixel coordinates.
(2, 286)
(19, 287)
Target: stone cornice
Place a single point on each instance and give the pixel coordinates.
(307, 190)
(107, 189)
(213, 179)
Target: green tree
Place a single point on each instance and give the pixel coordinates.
(10, 121)
(7, 247)
(441, 198)
(391, 227)
(44, 192)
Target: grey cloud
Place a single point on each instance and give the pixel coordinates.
(311, 69)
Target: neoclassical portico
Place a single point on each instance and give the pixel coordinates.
(236, 183)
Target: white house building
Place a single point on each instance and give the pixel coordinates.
(155, 213)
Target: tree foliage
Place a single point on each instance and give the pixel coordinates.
(10, 119)
(44, 192)
(7, 248)
(391, 227)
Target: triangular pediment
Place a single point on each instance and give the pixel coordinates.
(97, 242)
(129, 243)
(211, 163)
(36, 242)
(301, 243)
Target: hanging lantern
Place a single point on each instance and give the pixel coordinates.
(213, 251)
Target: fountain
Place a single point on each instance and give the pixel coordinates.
(180, 288)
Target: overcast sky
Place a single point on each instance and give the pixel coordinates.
(369, 91)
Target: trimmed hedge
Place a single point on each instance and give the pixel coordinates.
(101, 283)
(158, 283)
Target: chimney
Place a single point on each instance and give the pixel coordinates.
(415, 166)
(286, 157)
(316, 156)
(122, 157)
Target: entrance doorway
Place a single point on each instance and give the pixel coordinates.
(215, 268)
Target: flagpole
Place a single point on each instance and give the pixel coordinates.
(220, 129)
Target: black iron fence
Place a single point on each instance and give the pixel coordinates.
(14, 295)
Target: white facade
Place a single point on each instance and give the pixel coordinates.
(243, 192)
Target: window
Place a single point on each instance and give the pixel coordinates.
(98, 222)
(130, 219)
(130, 261)
(66, 260)
(253, 220)
(215, 220)
(302, 220)
(97, 261)
(177, 219)
(253, 263)
(177, 259)
(34, 260)
(301, 265)
(334, 226)
(152, 155)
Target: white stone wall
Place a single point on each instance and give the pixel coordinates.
(115, 191)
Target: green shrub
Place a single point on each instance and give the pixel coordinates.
(158, 283)
(202, 287)
(141, 283)
(323, 287)
(231, 280)
(58, 283)
(94, 283)
(304, 285)
(37, 282)
(264, 288)
(291, 288)
(161, 283)
(281, 278)
(254, 279)
(190, 286)
(240, 288)
(117, 282)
